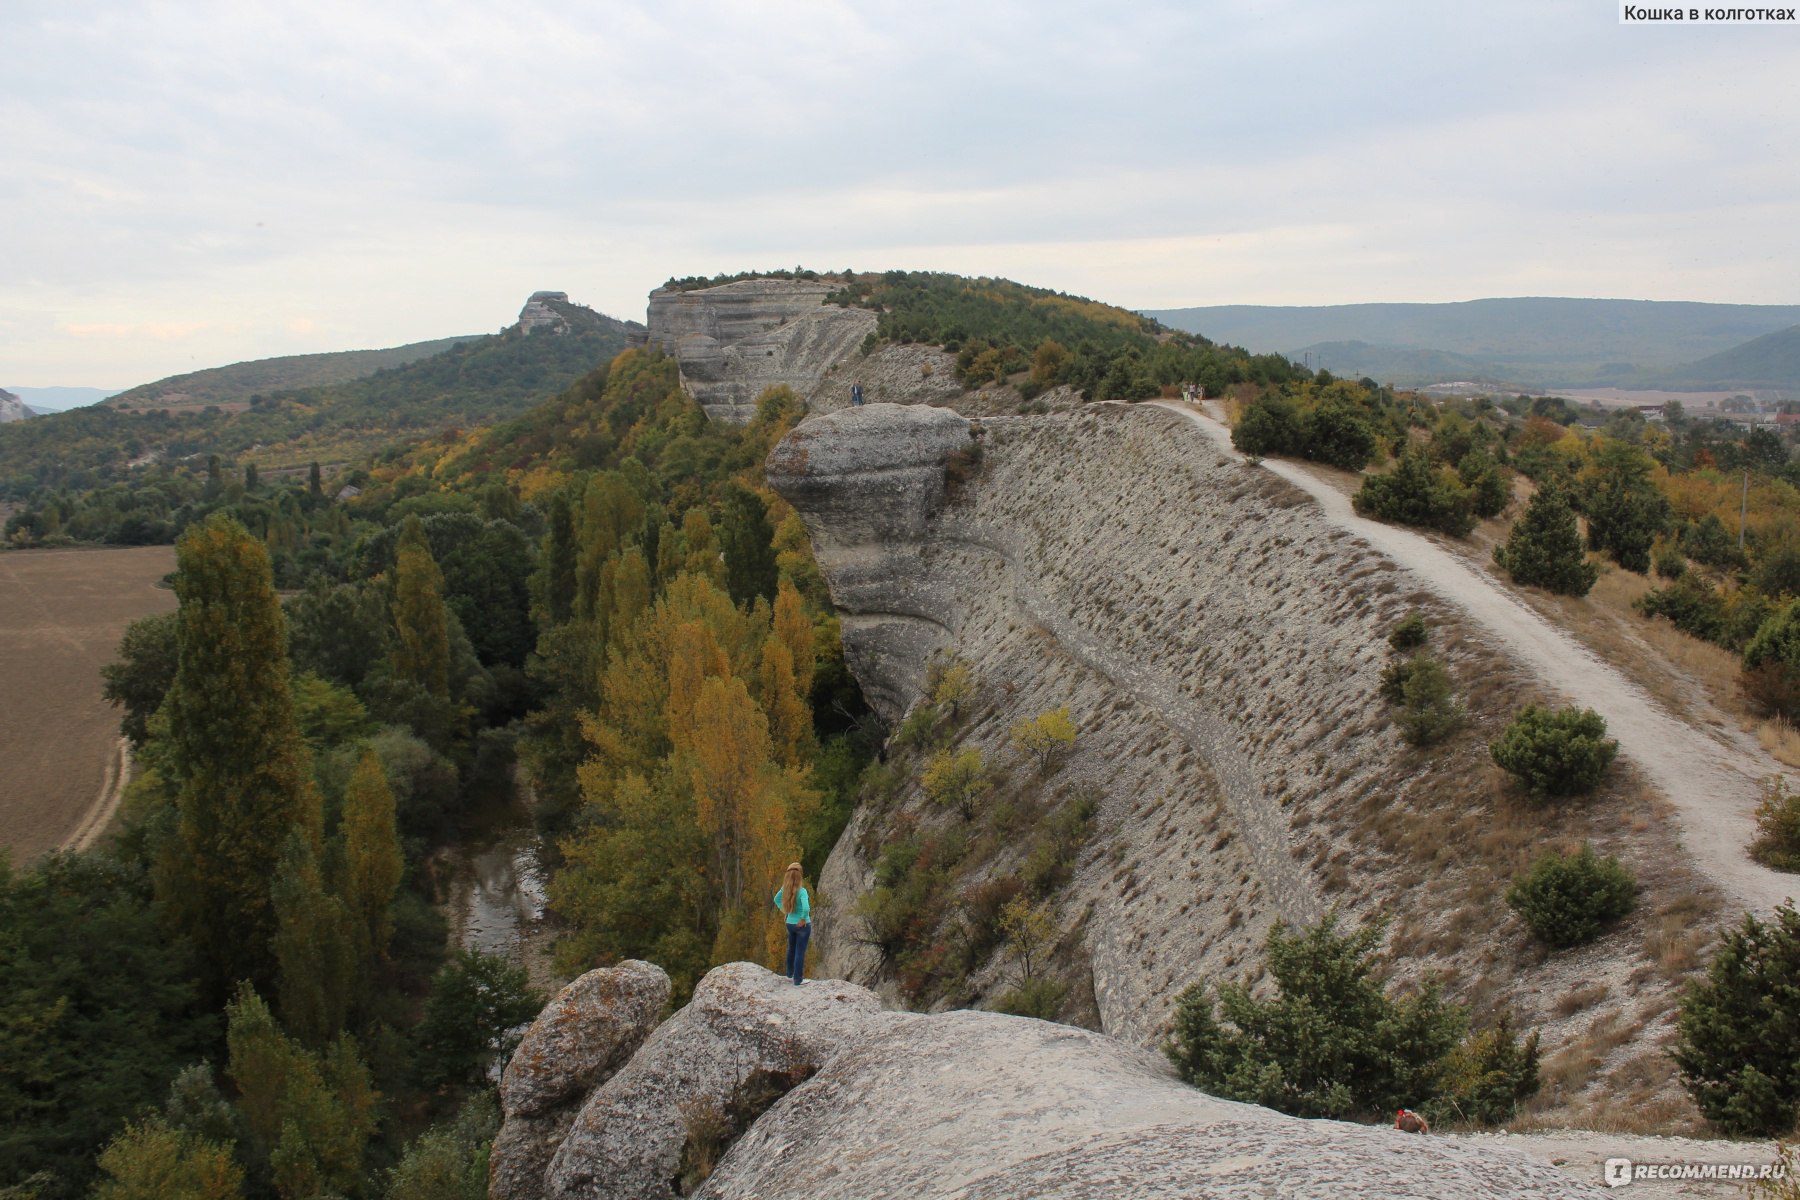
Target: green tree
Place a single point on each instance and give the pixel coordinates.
(449, 1161)
(1739, 1029)
(476, 999)
(235, 757)
(559, 561)
(151, 1160)
(1430, 710)
(1569, 900)
(1555, 752)
(310, 1115)
(1771, 667)
(1329, 1042)
(1417, 493)
(421, 626)
(372, 860)
(1625, 510)
(1544, 548)
(1777, 841)
(148, 655)
(748, 542)
(314, 952)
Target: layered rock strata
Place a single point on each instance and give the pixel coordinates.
(963, 1104)
(738, 339)
(1221, 649)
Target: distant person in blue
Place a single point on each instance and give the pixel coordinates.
(856, 395)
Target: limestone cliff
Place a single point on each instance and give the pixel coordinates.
(12, 408)
(735, 340)
(836, 1099)
(1220, 647)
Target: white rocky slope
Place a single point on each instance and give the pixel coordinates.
(1220, 647)
(859, 1103)
(12, 408)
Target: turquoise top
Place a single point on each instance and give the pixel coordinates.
(802, 913)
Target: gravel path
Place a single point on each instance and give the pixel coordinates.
(1711, 781)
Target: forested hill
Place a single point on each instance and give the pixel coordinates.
(474, 382)
(235, 384)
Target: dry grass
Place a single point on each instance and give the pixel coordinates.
(1781, 740)
(1580, 998)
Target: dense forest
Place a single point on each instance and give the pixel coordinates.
(247, 993)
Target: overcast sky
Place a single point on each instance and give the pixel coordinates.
(187, 184)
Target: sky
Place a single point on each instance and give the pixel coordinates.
(186, 184)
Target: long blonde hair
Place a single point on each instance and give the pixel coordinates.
(791, 883)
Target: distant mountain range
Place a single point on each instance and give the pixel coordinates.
(1531, 343)
(238, 382)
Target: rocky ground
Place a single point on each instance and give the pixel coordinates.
(836, 1098)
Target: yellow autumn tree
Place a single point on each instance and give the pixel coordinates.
(790, 720)
(372, 859)
(795, 629)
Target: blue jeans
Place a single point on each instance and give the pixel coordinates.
(798, 936)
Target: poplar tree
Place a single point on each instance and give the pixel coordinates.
(559, 561)
(421, 625)
(748, 542)
(372, 860)
(236, 757)
(314, 957)
(795, 629)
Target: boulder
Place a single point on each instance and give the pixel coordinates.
(627, 1141)
(586, 1033)
(971, 1104)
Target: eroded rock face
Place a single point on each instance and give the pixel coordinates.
(11, 407)
(586, 1033)
(626, 1143)
(874, 476)
(735, 340)
(972, 1104)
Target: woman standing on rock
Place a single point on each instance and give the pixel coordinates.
(796, 905)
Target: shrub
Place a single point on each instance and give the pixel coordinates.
(1329, 1042)
(1416, 493)
(1772, 661)
(1567, 900)
(1693, 605)
(1429, 708)
(1739, 1030)
(1335, 431)
(1269, 425)
(1409, 633)
(1045, 737)
(956, 780)
(1544, 548)
(1777, 841)
(1669, 562)
(1041, 998)
(1490, 488)
(1555, 752)
(1488, 1077)
(919, 726)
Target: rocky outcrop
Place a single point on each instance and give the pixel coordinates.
(968, 1104)
(540, 313)
(582, 1037)
(1220, 647)
(738, 339)
(874, 476)
(12, 408)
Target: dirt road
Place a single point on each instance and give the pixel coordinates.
(61, 615)
(1711, 776)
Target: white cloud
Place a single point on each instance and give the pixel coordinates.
(295, 178)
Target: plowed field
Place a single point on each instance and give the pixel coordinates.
(61, 615)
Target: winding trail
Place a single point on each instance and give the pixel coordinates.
(112, 790)
(1712, 781)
